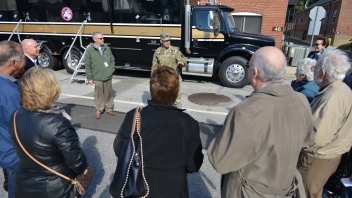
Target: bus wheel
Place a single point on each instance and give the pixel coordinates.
(234, 72)
(46, 60)
(70, 65)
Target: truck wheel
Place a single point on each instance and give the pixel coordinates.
(234, 72)
(46, 60)
(75, 57)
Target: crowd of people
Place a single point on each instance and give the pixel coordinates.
(281, 141)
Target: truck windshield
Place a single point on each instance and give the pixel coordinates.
(230, 22)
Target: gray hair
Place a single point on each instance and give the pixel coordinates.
(335, 63)
(94, 35)
(9, 51)
(304, 67)
(266, 70)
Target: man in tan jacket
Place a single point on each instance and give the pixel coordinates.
(259, 144)
(332, 122)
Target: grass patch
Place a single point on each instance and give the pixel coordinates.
(345, 46)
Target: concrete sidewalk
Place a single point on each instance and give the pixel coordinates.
(290, 72)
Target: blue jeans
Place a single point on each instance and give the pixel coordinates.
(11, 180)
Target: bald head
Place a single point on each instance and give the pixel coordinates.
(267, 65)
(30, 48)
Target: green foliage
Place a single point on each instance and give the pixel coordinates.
(302, 3)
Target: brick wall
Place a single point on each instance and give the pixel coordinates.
(344, 24)
(340, 31)
(273, 12)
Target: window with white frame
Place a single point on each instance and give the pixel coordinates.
(333, 19)
(248, 22)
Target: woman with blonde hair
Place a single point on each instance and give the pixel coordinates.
(47, 134)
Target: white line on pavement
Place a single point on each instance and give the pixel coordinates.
(138, 103)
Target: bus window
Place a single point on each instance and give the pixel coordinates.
(33, 1)
(123, 4)
(8, 5)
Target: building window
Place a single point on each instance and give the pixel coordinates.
(333, 19)
(299, 21)
(305, 21)
(247, 22)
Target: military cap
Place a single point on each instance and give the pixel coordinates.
(165, 36)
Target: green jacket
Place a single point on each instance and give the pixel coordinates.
(94, 63)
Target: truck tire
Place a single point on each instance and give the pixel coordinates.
(46, 60)
(75, 56)
(234, 72)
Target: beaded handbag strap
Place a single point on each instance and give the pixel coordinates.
(136, 126)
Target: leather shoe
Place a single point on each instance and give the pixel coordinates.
(97, 116)
(111, 113)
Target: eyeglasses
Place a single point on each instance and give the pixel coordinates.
(100, 38)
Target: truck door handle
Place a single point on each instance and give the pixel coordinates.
(195, 42)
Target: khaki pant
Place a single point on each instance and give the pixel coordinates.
(103, 96)
(315, 173)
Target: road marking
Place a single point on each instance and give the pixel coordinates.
(138, 103)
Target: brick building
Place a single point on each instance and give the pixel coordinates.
(265, 15)
(336, 25)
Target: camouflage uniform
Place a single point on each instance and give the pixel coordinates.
(169, 57)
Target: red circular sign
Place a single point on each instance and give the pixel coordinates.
(66, 14)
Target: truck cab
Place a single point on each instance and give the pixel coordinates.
(214, 38)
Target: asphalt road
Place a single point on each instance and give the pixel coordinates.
(130, 90)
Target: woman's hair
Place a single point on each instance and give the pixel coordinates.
(39, 89)
(304, 67)
(325, 41)
(164, 85)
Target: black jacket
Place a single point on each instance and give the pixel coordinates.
(171, 148)
(29, 64)
(51, 139)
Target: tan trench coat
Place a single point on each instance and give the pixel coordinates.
(260, 142)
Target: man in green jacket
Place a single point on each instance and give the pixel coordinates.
(100, 65)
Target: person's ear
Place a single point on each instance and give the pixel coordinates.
(161, 41)
(323, 74)
(255, 73)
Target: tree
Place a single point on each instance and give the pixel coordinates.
(302, 4)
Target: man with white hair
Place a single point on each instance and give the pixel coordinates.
(304, 79)
(332, 122)
(259, 144)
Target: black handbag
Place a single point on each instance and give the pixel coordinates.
(334, 183)
(129, 180)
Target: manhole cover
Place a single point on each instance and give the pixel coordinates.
(209, 99)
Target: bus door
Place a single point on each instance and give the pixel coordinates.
(127, 41)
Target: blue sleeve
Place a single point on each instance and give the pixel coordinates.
(309, 94)
(348, 81)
